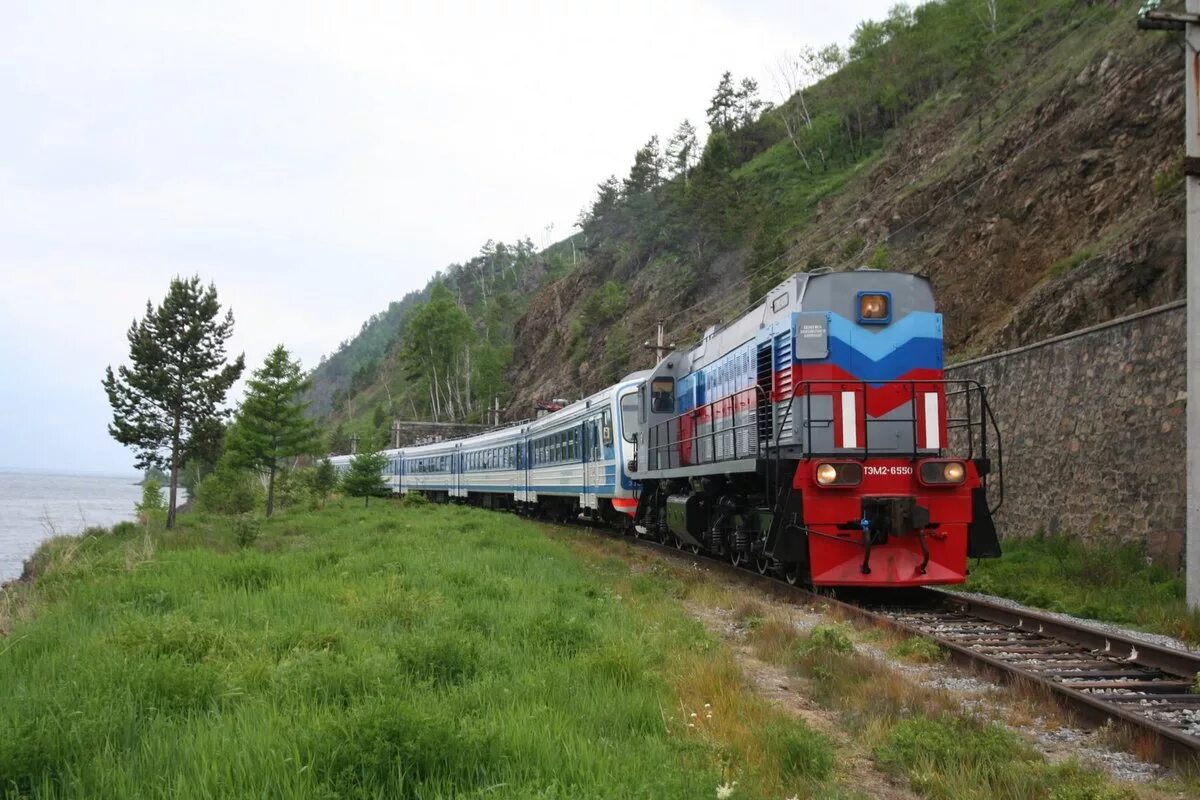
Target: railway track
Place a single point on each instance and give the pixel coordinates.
(1097, 675)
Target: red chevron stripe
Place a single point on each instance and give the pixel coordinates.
(880, 399)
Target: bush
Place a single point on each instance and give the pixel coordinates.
(414, 500)
(229, 491)
(246, 528)
(152, 505)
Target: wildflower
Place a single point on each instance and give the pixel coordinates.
(708, 705)
(693, 715)
(691, 724)
(726, 790)
(708, 716)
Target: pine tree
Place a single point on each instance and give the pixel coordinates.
(646, 172)
(681, 150)
(365, 477)
(166, 403)
(271, 424)
(722, 113)
(747, 102)
(324, 478)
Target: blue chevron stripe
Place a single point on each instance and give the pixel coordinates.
(877, 343)
(913, 354)
(888, 354)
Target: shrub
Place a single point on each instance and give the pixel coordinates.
(152, 507)
(246, 528)
(414, 500)
(124, 529)
(918, 648)
(229, 491)
(880, 259)
(829, 639)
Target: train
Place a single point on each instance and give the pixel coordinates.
(815, 437)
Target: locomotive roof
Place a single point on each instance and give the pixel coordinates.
(804, 291)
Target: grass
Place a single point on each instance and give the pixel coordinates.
(1106, 582)
(387, 651)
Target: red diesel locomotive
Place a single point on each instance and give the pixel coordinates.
(816, 437)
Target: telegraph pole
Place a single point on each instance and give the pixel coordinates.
(660, 349)
(354, 444)
(1152, 18)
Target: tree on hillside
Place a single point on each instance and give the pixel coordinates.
(747, 103)
(646, 172)
(272, 424)
(365, 478)
(166, 404)
(681, 150)
(338, 441)
(722, 112)
(437, 347)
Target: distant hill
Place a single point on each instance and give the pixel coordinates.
(1029, 163)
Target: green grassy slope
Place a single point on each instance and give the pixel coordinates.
(381, 652)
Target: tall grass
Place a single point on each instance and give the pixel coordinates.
(381, 652)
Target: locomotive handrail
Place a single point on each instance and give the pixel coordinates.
(655, 446)
(974, 424)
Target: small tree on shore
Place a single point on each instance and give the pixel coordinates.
(166, 403)
(365, 477)
(324, 478)
(271, 424)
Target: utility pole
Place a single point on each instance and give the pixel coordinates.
(1151, 18)
(354, 444)
(660, 349)
(395, 433)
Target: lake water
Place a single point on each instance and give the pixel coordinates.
(37, 505)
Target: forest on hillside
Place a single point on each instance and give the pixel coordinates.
(712, 214)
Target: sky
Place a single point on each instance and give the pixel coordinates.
(314, 161)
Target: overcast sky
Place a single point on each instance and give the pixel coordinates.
(314, 161)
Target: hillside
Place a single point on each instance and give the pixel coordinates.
(1029, 164)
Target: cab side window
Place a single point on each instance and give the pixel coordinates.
(662, 395)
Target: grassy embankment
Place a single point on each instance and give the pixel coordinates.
(1113, 583)
(921, 735)
(381, 652)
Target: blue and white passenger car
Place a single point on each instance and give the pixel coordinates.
(571, 462)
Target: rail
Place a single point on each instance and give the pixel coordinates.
(1099, 675)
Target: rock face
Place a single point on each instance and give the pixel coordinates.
(1052, 204)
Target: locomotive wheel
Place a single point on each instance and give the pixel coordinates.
(738, 558)
(791, 573)
(675, 540)
(762, 564)
(693, 549)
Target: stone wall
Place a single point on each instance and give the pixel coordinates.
(1093, 428)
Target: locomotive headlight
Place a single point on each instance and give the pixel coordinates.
(845, 473)
(826, 474)
(942, 473)
(873, 307)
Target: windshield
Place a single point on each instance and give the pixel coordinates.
(629, 416)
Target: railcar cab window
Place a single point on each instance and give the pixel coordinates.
(662, 395)
(629, 417)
